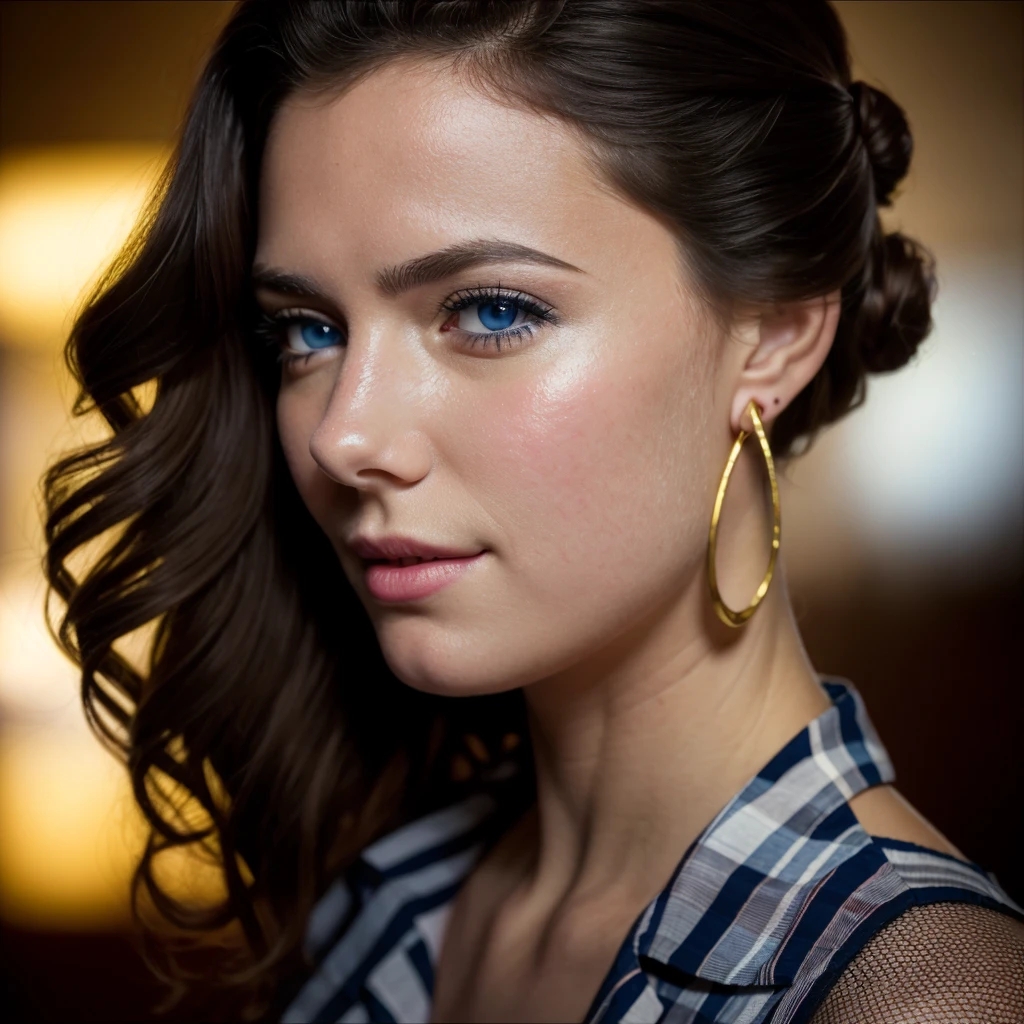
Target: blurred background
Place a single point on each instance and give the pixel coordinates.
(904, 526)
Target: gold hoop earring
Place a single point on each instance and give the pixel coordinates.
(726, 614)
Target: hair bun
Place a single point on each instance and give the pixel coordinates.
(896, 310)
(883, 127)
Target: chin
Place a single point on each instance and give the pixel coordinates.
(437, 660)
(449, 662)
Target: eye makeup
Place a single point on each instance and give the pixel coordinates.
(494, 304)
(275, 330)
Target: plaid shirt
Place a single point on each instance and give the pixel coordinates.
(766, 907)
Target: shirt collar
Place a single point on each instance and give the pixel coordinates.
(471, 821)
(740, 890)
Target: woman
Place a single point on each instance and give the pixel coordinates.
(459, 315)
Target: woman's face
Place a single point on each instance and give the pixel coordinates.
(550, 438)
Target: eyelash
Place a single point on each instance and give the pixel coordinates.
(273, 327)
(516, 335)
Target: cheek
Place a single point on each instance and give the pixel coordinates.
(596, 467)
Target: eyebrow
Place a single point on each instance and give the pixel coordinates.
(434, 266)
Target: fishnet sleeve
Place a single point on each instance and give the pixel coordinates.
(943, 963)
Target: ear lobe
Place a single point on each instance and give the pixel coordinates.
(793, 341)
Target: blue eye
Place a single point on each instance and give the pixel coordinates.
(297, 336)
(318, 335)
(505, 318)
(496, 310)
(497, 315)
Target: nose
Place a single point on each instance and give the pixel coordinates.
(372, 435)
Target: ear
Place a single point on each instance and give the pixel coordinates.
(789, 343)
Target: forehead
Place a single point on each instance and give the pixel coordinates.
(414, 155)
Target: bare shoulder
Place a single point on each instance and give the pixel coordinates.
(941, 963)
(885, 812)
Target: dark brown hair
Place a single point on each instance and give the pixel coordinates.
(266, 727)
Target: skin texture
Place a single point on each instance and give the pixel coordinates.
(584, 461)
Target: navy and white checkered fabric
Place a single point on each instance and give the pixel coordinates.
(765, 909)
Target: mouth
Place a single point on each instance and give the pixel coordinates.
(401, 580)
(403, 562)
(400, 570)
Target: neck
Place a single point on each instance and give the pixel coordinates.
(639, 748)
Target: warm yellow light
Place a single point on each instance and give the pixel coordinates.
(70, 833)
(68, 842)
(64, 212)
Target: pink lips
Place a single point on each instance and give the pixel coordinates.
(393, 576)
